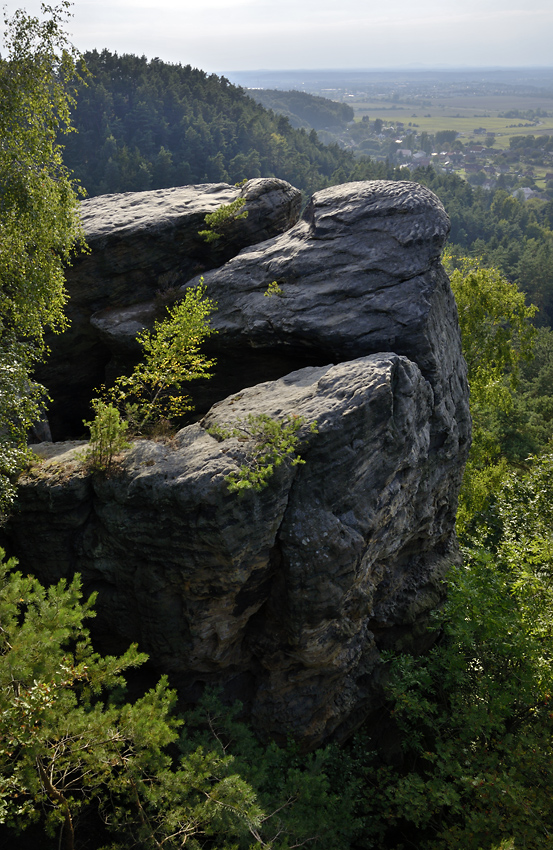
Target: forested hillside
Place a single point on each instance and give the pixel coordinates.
(303, 109)
(150, 125)
(147, 125)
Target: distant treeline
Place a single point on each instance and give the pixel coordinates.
(530, 143)
(150, 125)
(305, 110)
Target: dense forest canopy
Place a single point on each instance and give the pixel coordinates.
(502, 230)
(304, 110)
(149, 125)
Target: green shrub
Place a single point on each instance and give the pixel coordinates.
(475, 715)
(107, 436)
(273, 289)
(70, 745)
(74, 750)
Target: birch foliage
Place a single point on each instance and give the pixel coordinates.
(39, 224)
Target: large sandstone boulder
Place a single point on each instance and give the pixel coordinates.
(287, 596)
(360, 273)
(142, 245)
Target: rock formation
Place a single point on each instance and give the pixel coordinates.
(360, 273)
(143, 244)
(286, 597)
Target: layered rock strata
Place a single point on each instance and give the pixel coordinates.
(360, 273)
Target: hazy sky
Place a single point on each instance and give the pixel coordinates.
(227, 35)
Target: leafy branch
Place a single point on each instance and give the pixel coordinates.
(271, 442)
(224, 216)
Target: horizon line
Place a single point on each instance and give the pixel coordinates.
(393, 68)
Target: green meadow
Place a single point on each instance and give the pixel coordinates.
(460, 113)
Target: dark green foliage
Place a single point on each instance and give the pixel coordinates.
(149, 125)
(70, 746)
(512, 235)
(305, 110)
(444, 138)
(473, 719)
(308, 798)
(474, 716)
(531, 142)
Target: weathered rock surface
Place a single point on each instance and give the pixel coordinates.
(285, 596)
(142, 244)
(360, 273)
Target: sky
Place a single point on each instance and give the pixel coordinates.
(230, 35)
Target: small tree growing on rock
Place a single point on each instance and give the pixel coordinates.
(217, 222)
(172, 357)
(107, 436)
(269, 444)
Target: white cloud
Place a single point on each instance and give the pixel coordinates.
(237, 34)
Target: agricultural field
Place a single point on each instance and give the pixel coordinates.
(400, 117)
(463, 114)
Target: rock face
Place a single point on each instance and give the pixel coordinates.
(288, 594)
(143, 244)
(287, 597)
(360, 273)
